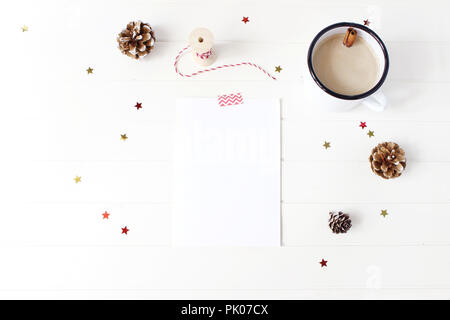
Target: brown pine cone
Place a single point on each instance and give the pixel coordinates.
(388, 160)
(137, 40)
(339, 222)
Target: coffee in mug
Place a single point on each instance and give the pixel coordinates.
(346, 70)
(347, 63)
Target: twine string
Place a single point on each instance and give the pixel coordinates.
(206, 55)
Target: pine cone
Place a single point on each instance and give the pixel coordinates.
(388, 160)
(339, 222)
(137, 40)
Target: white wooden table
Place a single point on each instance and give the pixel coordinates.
(56, 122)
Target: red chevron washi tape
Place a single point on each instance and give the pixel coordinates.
(230, 99)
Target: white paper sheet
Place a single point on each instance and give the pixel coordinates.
(226, 173)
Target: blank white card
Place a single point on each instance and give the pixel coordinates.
(226, 173)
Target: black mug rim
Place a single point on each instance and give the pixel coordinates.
(370, 32)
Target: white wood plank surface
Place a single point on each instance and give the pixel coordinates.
(57, 122)
(141, 268)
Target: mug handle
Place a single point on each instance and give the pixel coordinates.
(376, 102)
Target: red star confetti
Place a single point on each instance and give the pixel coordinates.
(362, 125)
(105, 215)
(245, 20)
(366, 22)
(125, 230)
(323, 263)
(138, 105)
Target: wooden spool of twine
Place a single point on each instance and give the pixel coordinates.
(201, 42)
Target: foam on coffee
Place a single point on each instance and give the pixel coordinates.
(348, 71)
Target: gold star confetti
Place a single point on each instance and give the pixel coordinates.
(326, 145)
(278, 69)
(89, 70)
(123, 137)
(384, 213)
(77, 179)
(24, 29)
(370, 133)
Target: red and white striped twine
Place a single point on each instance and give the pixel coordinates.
(206, 56)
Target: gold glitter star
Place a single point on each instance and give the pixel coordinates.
(370, 133)
(123, 137)
(77, 179)
(384, 213)
(278, 69)
(24, 29)
(326, 145)
(89, 70)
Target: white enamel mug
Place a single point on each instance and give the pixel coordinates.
(329, 100)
